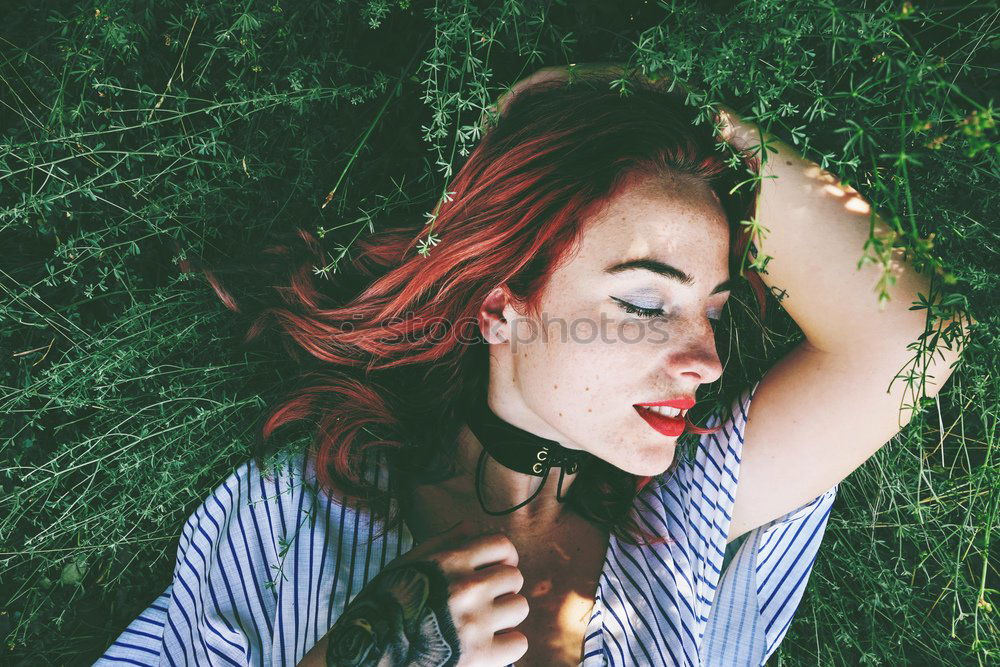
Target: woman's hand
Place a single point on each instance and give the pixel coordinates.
(738, 133)
(451, 601)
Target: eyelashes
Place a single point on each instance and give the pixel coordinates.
(650, 313)
(633, 309)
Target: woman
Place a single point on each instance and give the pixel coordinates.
(557, 313)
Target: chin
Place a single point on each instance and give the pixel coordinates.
(649, 462)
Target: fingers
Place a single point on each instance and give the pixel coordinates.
(509, 647)
(480, 552)
(482, 583)
(460, 549)
(481, 588)
(500, 579)
(510, 610)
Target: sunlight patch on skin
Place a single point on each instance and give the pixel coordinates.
(857, 205)
(855, 202)
(575, 609)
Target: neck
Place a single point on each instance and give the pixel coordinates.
(511, 472)
(501, 488)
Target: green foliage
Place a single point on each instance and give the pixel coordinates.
(132, 126)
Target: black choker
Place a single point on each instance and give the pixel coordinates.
(520, 451)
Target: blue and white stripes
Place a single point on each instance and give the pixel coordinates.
(266, 565)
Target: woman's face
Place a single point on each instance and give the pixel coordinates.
(574, 373)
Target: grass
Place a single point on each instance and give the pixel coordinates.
(136, 134)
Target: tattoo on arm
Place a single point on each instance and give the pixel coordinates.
(400, 618)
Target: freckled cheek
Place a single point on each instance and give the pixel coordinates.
(614, 358)
(570, 379)
(639, 343)
(594, 384)
(587, 376)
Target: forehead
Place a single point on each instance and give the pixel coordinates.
(676, 219)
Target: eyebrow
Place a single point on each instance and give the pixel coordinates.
(666, 270)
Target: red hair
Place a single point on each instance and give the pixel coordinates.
(395, 335)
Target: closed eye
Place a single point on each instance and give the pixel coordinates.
(633, 309)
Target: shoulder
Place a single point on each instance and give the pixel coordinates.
(233, 545)
(268, 561)
(265, 565)
(252, 501)
(274, 501)
(277, 518)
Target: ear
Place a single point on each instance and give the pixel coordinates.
(492, 322)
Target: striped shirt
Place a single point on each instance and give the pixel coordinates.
(266, 565)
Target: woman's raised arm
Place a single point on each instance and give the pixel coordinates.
(842, 393)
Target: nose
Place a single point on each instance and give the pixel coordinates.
(695, 358)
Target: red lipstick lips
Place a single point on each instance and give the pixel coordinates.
(683, 403)
(668, 426)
